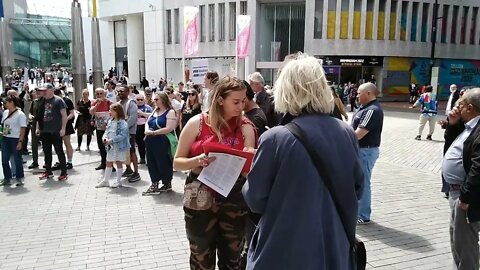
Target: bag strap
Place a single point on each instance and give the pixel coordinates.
(323, 173)
(9, 115)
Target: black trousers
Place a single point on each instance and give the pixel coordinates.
(49, 139)
(140, 140)
(101, 147)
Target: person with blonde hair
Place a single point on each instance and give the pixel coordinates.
(273, 188)
(215, 223)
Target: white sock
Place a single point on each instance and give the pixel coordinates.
(108, 173)
(119, 175)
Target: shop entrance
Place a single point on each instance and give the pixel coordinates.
(350, 75)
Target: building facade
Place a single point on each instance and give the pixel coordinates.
(388, 41)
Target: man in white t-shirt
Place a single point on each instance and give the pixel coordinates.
(110, 92)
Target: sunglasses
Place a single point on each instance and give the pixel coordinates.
(98, 94)
(192, 94)
(139, 99)
(156, 99)
(168, 93)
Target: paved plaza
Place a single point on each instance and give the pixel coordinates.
(73, 225)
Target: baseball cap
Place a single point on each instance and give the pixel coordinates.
(46, 86)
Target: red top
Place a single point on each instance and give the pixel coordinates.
(233, 138)
(104, 106)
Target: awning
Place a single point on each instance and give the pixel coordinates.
(41, 29)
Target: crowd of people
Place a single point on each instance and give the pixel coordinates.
(133, 127)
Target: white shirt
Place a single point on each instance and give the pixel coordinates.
(205, 104)
(176, 105)
(111, 95)
(12, 125)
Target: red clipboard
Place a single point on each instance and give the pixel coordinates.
(221, 148)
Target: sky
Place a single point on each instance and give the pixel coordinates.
(57, 8)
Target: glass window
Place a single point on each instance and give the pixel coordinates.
(318, 24)
(453, 37)
(381, 21)
(423, 36)
(283, 30)
(232, 9)
(369, 20)
(202, 24)
(357, 19)
(344, 19)
(463, 34)
(443, 35)
(243, 7)
(169, 27)
(331, 19)
(120, 34)
(413, 32)
(403, 21)
(474, 25)
(393, 20)
(221, 18)
(211, 21)
(177, 26)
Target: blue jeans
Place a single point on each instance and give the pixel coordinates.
(368, 157)
(9, 148)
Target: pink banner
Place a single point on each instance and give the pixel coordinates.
(243, 36)
(190, 30)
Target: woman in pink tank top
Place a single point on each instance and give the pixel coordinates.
(213, 222)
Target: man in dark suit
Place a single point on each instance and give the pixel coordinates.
(461, 169)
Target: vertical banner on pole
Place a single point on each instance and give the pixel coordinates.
(243, 35)
(190, 30)
(1, 9)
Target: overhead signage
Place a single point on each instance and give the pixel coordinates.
(352, 61)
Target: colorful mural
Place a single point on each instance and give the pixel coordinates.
(402, 71)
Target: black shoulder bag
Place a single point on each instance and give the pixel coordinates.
(356, 245)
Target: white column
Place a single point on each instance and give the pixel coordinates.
(363, 19)
(388, 7)
(449, 25)
(351, 14)
(338, 16)
(408, 31)
(419, 21)
(325, 19)
(398, 22)
(468, 29)
(459, 25)
(154, 38)
(429, 22)
(135, 48)
(376, 7)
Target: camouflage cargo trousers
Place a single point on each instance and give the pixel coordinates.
(220, 229)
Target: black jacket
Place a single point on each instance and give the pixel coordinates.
(470, 190)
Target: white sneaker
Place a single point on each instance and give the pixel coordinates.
(116, 184)
(102, 183)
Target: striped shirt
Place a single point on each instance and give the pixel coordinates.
(369, 117)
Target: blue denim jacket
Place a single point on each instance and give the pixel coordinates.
(121, 138)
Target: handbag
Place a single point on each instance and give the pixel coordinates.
(172, 138)
(356, 245)
(197, 196)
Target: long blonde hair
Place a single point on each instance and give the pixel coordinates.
(223, 89)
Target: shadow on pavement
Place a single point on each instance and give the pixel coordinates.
(13, 191)
(124, 190)
(395, 238)
(172, 197)
(53, 184)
